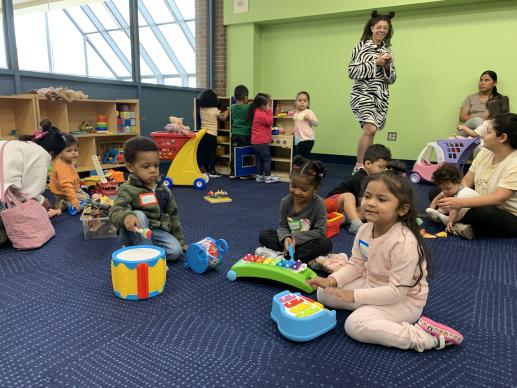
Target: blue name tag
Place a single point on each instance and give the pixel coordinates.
(363, 248)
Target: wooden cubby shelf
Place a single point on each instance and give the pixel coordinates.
(281, 146)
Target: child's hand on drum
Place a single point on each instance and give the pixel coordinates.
(131, 223)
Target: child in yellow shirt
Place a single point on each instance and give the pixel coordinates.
(64, 179)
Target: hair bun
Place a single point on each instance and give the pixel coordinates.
(391, 14)
(374, 13)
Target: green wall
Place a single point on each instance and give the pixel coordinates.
(440, 49)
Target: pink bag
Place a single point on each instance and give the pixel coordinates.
(26, 223)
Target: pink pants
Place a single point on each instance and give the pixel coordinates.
(389, 325)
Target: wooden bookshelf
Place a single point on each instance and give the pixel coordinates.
(69, 116)
(281, 146)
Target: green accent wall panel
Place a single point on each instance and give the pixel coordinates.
(439, 53)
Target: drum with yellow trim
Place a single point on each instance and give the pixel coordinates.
(138, 272)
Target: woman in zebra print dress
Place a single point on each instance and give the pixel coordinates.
(372, 69)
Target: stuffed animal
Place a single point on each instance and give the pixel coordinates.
(61, 93)
(176, 125)
(70, 95)
(48, 93)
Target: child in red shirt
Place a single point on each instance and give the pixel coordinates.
(261, 118)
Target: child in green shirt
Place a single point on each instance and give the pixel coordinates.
(241, 125)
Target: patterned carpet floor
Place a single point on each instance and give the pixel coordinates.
(61, 324)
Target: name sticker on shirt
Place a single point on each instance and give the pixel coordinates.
(147, 199)
(363, 248)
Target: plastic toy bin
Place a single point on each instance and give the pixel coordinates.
(334, 221)
(98, 228)
(170, 143)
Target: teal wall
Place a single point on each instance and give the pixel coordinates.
(440, 48)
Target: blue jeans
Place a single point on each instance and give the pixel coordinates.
(160, 237)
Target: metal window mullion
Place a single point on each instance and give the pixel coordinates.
(107, 37)
(122, 23)
(176, 14)
(49, 44)
(134, 36)
(159, 35)
(10, 41)
(85, 50)
(71, 18)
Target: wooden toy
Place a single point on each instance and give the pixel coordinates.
(205, 254)
(291, 272)
(138, 272)
(218, 196)
(300, 318)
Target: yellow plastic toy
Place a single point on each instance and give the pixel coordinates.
(138, 272)
(184, 170)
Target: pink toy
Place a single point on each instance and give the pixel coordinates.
(146, 233)
(176, 126)
(451, 151)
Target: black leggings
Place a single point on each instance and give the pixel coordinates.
(305, 252)
(487, 221)
(304, 148)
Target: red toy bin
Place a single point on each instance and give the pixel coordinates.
(170, 143)
(334, 221)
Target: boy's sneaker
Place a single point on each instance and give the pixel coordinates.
(232, 177)
(245, 177)
(445, 335)
(271, 179)
(214, 174)
(463, 230)
(260, 178)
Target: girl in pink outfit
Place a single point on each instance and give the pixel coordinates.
(385, 280)
(304, 122)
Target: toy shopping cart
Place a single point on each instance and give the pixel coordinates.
(450, 151)
(182, 150)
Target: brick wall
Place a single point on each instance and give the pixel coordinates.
(219, 49)
(201, 44)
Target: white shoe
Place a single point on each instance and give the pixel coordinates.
(271, 179)
(260, 178)
(433, 215)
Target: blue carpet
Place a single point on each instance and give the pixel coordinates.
(61, 325)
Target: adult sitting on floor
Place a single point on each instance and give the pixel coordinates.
(26, 162)
(493, 174)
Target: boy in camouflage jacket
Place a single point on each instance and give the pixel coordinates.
(144, 203)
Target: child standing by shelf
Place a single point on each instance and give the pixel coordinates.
(261, 117)
(304, 122)
(209, 112)
(142, 202)
(385, 280)
(64, 179)
(241, 125)
(303, 217)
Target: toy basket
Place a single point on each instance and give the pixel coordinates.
(170, 143)
(457, 151)
(334, 221)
